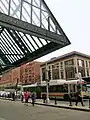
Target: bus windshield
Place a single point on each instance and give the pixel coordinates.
(83, 87)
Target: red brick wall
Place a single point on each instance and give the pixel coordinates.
(37, 71)
(30, 72)
(27, 73)
(5, 79)
(15, 76)
(22, 73)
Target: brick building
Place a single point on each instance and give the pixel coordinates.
(67, 66)
(30, 72)
(25, 74)
(5, 79)
(15, 73)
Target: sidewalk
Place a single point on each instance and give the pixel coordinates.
(58, 105)
(66, 106)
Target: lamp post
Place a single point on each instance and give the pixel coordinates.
(47, 81)
(80, 78)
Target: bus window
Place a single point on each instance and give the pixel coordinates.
(84, 87)
(72, 88)
(65, 88)
(61, 88)
(53, 88)
(43, 88)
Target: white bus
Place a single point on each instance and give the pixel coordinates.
(59, 89)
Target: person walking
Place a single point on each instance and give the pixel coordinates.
(26, 96)
(33, 97)
(22, 97)
(44, 98)
(79, 98)
(13, 96)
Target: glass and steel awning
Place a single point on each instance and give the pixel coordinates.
(28, 30)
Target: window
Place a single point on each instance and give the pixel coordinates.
(53, 66)
(26, 70)
(69, 62)
(43, 76)
(61, 65)
(55, 71)
(49, 67)
(87, 73)
(86, 64)
(70, 73)
(62, 75)
(80, 63)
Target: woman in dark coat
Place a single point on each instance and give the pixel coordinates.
(33, 97)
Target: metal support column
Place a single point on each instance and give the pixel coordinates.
(21, 9)
(47, 81)
(9, 7)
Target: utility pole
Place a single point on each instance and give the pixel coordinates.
(80, 78)
(47, 81)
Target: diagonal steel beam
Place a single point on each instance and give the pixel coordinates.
(28, 28)
(4, 58)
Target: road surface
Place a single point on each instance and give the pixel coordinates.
(14, 110)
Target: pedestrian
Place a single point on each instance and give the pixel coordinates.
(70, 99)
(13, 96)
(33, 97)
(26, 96)
(22, 97)
(44, 98)
(79, 98)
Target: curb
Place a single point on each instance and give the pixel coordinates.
(65, 107)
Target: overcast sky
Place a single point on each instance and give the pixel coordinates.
(74, 18)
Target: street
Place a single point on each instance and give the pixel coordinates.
(15, 110)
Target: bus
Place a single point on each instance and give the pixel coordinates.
(58, 89)
(88, 89)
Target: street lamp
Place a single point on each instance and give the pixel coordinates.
(80, 78)
(47, 81)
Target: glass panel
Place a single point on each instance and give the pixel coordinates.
(29, 41)
(23, 40)
(15, 8)
(36, 16)
(52, 26)
(37, 41)
(43, 41)
(11, 49)
(26, 12)
(36, 3)
(4, 6)
(5, 52)
(44, 20)
(29, 1)
(43, 7)
(15, 46)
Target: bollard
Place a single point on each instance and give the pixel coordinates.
(55, 101)
(70, 103)
(89, 102)
(70, 100)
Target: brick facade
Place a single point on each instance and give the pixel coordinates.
(25, 74)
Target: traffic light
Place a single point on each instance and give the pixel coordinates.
(43, 76)
(49, 75)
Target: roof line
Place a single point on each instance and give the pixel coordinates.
(66, 55)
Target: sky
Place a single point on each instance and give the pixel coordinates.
(74, 18)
